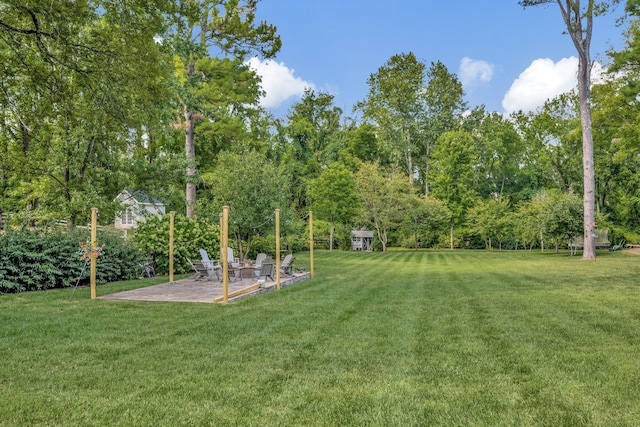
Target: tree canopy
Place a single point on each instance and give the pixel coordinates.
(98, 96)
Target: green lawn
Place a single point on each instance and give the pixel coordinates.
(397, 339)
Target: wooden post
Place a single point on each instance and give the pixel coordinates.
(311, 242)
(221, 235)
(172, 216)
(92, 248)
(277, 248)
(224, 255)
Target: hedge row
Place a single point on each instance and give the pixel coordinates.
(37, 260)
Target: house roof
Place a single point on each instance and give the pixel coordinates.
(361, 233)
(140, 197)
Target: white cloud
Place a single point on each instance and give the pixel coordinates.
(278, 81)
(542, 80)
(474, 71)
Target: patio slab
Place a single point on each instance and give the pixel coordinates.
(206, 291)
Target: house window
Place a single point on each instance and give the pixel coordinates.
(129, 217)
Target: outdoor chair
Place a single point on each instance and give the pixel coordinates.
(234, 271)
(258, 263)
(266, 269)
(212, 266)
(235, 262)
(259, 259)
(203, 270)
(286, 266)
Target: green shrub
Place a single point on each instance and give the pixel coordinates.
(119, 259)
(40, 259)
(266, 244)
(34, 260)
(190, 235)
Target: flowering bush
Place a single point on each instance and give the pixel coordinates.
(152, 238)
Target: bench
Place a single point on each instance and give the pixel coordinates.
(602, 241)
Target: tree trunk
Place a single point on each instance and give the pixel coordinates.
(426, 173)
(574, 18)
(25, 139)
(191, 162)
(584, 78)
(382, 236)
(384, 240)
(581, 38)
(331, 228)
(426, 183)
(451, 236)
(409, 157)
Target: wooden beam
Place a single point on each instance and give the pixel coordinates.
(239, 292)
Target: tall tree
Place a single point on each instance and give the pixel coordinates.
(382, 195)
(444, 98)
(620, 113)
(79, 76)
(360, 145)
(454, 159)
(212, 28)
(253, 188)
(578, 18)
(423, 221)
(396, 103)
(535, 167)
(490, 219)
(333, 197)
(308, 141)
(500, 152)
(312, 123)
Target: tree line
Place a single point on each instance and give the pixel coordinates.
(98, 96)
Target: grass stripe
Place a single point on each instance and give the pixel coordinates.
(400, 338)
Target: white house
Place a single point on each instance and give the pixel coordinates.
(137, 205)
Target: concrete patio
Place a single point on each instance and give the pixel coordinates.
(207, 291)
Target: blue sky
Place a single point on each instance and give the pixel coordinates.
(507, 57)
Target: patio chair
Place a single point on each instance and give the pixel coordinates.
(259, 259)
(258, 263)
(230, 258)
(286, 266)
(266, 269)
(203, 270)
(212, 266)
(234, 270)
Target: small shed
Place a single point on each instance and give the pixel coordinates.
(137, 206)
(361, 240)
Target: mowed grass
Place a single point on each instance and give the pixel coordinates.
(395, 339)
